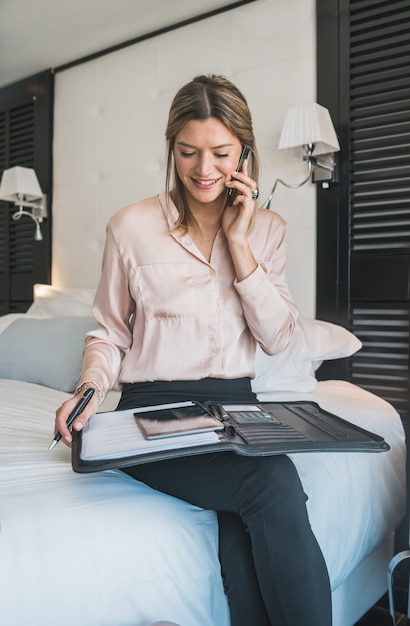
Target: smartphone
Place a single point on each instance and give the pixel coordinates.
(244, 155)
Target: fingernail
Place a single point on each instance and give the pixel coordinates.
(78, 426)
(68, 439)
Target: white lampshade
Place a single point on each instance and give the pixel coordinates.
(19, 180)
(308, 124)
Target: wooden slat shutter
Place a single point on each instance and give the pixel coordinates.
(4, 223)
(364, 221)
(380, 196)
(25, 139)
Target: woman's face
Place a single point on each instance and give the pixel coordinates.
(206, 153)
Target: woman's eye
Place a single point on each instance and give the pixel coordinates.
(188, 155)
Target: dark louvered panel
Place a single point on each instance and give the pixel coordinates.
(379, 19)
(4, 256)
(21, 244)
(4, 217)
(380, 126)
(3, 140)
(21, 232)
(379, 191)
(382, 365)
(25, 140)
(4, 221)
(21, 150)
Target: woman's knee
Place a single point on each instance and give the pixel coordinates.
(276, 473)
(273, 489)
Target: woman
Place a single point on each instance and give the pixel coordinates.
(190, 282)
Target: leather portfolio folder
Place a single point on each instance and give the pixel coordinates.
(120, 439)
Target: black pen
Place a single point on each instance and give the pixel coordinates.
(207, 409)
(79, 408)
(222, 413)
(229, 429)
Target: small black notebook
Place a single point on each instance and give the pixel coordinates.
(116, 439)
(192, 418)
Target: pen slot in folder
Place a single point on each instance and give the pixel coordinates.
(319, 422)
(261, 427)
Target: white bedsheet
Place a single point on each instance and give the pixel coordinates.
(104, 550)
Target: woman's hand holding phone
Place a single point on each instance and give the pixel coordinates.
(242, 158)
(237, 218)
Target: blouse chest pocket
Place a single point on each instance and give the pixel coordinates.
(166, 290)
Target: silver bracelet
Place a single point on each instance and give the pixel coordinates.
(86, 386)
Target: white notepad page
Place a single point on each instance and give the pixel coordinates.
(116, 434)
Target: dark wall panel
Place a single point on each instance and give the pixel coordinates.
(26, 110)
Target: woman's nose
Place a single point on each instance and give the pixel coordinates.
(204, 164)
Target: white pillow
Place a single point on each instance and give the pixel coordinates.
(312, 342)
(52, 301)
(45, 351)
(9, 318)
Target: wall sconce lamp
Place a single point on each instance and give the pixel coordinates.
(20, 185)
(308, 132)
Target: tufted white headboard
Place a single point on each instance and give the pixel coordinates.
(110, 116)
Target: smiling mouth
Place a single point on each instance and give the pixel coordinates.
(205, 183)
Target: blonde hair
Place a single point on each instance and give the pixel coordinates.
(202, 98)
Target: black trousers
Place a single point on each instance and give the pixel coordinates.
(272, 567)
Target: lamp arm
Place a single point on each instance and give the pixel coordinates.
(38, 235)
(320, 163)
(18, 214)
(266, 204)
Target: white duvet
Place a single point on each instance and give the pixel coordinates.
(103, 550)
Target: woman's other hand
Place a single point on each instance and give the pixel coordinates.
(63, 413)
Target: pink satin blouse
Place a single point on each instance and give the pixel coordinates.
(165, 313)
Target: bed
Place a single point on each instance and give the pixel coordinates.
(104, 550)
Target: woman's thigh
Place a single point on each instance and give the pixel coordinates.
(221, 481)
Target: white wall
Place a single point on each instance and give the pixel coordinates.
(110, 117)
